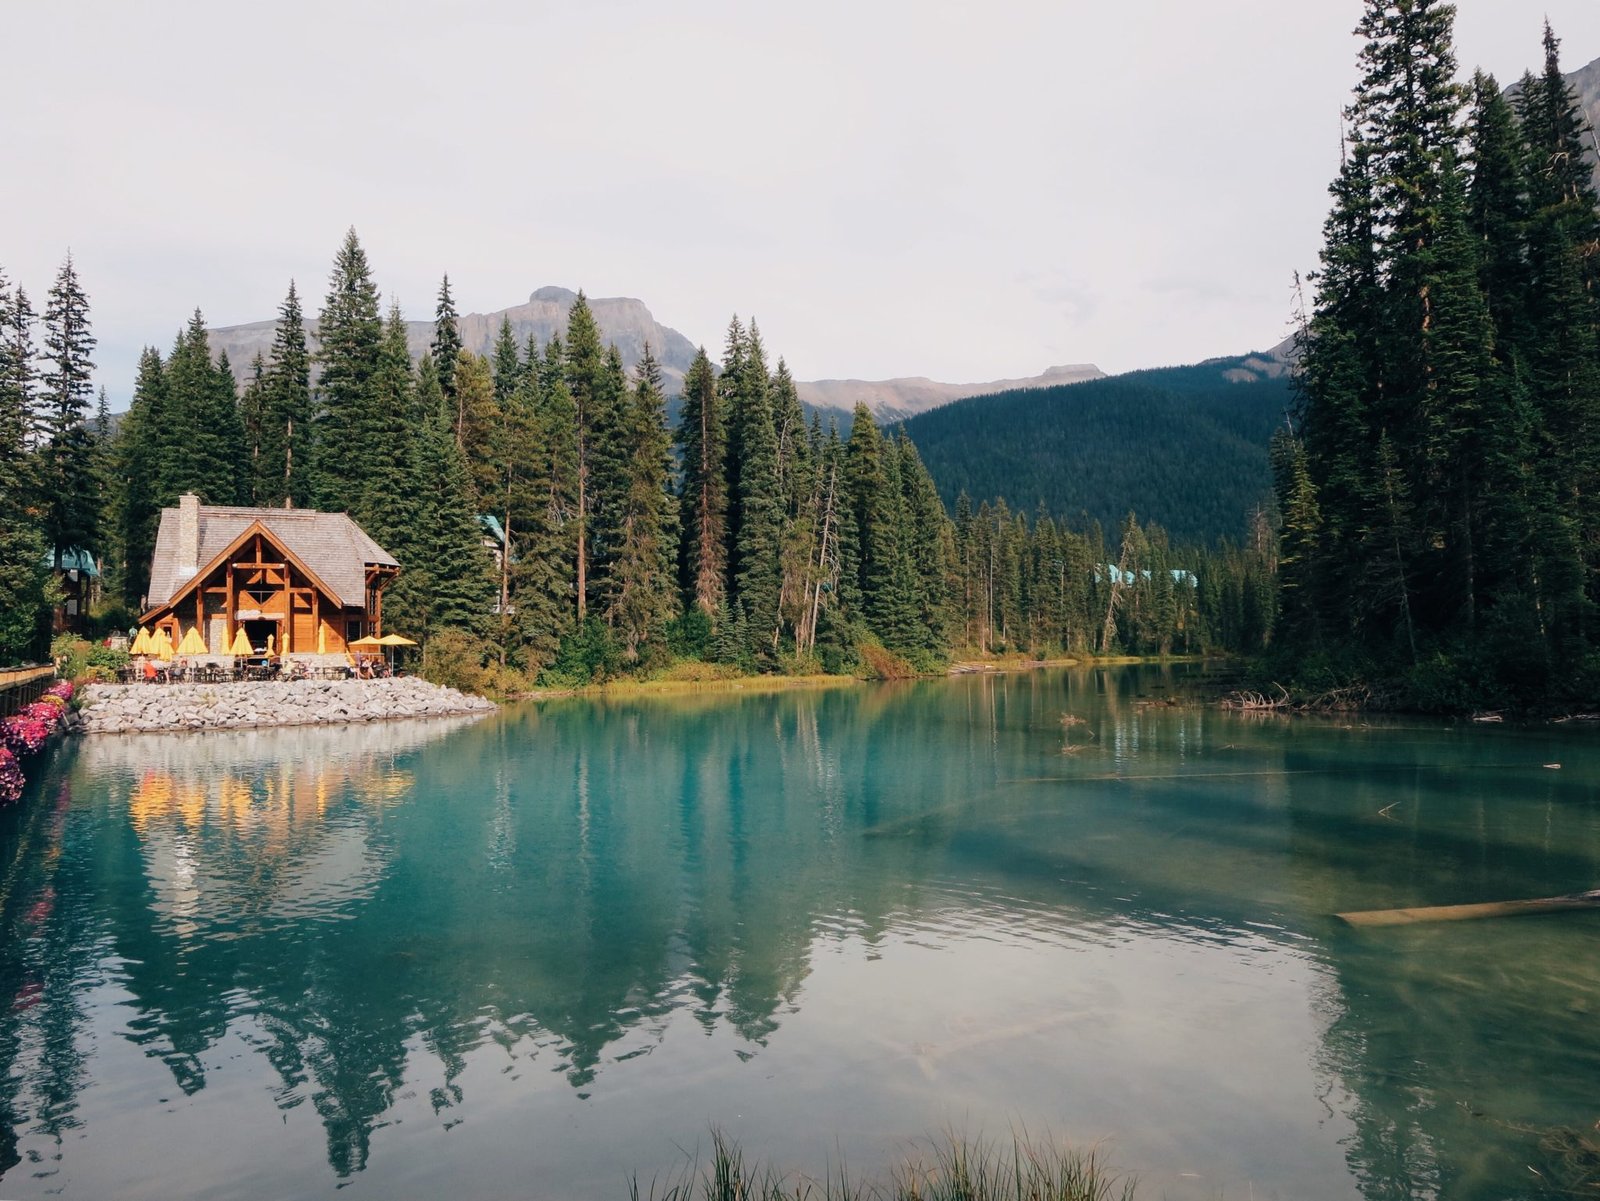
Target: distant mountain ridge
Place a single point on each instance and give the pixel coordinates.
(896, 399)
(629, 324)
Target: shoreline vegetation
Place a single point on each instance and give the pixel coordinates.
(697, 678)
(952, 1167)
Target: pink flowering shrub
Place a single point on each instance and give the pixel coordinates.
(42, 711)
(11, 780)
(25, 734)
(61, 689)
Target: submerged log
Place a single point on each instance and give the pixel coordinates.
(1462, 913)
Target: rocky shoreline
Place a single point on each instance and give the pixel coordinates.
(146, 708)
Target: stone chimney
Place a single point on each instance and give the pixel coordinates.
(188, 535)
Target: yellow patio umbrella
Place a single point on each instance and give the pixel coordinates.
(322, 639)
(392, 641)
(241, 643)
(269, 644)
(141, 643)
(368, 643)
(163, 647)
(192, 643)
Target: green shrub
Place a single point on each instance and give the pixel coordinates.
(689, 634)
(70, 654)
(589, 656)
(455, 659)
(107, 657)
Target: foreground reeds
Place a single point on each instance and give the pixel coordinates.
(953, 1169)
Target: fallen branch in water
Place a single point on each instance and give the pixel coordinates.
(1350, 698)
(1461, 913)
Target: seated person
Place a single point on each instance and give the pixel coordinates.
(149, 671)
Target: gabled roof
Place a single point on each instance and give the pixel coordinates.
(333, 547)
(73, 558)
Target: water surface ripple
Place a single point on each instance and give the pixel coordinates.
(532, 955)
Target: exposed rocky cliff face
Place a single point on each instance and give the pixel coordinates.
(622, 320)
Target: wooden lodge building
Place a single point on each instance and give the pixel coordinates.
(311, 582)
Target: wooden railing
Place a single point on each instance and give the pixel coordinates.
(22, 686)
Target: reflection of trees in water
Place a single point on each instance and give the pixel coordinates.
(47, 948)
(1453, 1048)
(577, 872)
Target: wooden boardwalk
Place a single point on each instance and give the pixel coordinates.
(22, 686)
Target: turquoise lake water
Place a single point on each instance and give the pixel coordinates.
(533, 955)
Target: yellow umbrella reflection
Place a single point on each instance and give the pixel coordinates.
(192, 643)
(241, 643)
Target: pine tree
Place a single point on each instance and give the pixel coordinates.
(1564, 310)
(384, 504)
(756, 487)
(703, 498)
(1497, 203)
(642, 598)
(22, 551)
(593, 388)
(142, 464)
(66, 471)
(451, 583)
(350, 331)
(286, 475)
(508, 365)
(253, 420)
(446, 340)
(197, 446)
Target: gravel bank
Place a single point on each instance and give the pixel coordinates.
(141, 708)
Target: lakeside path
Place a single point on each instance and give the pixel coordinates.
(147, 708)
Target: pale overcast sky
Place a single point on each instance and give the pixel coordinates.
(902, 187)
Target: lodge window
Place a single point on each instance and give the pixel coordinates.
(352, 630)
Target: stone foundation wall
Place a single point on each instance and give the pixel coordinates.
(141, 708)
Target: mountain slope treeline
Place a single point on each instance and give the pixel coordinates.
(1185, 447)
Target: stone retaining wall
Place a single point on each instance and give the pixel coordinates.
(119, 709)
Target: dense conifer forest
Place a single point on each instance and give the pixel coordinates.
(1184, 446)
(1440, 531)
(745, 534)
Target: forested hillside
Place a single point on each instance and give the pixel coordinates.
(1185, 447)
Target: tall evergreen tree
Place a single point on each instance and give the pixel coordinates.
(22, 550)
(446, 340)
(350, 332)
(142, 464)
(756, 487)
(508, 365)
(703, 497)
(199, 445)
(69, 506)
(253, 420)
(286, 472)
(642, 596)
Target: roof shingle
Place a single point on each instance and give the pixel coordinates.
(330, 544)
